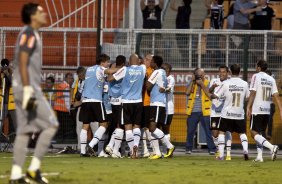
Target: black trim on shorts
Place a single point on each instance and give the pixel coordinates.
(168, 119)
(116, 114)
(232, 125)
(157, 114)
(214, 121)
(131, 113)
(145, 117)
(91, 112)
(258, 122)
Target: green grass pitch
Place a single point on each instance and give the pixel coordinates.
(72, 169)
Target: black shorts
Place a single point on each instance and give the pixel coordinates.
(168, 119)
(232, 125)
(259, 122)
(214, 123)
(131, 113)
(157, 114)
(145, 117)
(116, 114)
(91, 112)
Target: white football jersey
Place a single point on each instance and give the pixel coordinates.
(217, 104)
(170, 96)
(235, 91)
(265, 87)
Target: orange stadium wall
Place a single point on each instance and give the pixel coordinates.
(10, 17)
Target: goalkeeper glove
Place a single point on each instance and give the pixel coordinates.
(28, 98)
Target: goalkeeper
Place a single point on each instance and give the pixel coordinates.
(34, 114)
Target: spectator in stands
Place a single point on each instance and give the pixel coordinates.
(62, 107)
(182, 22)
(217, 14)
(8, 109)
(242, 10)
(152, 14)
(213, 40)
(198, 109)
(263, 19)
(49, 90)
(230, 17)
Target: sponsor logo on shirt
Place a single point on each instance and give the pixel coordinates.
(234, 114)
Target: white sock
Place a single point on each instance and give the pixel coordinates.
(168, 136)
(215, 140)
(129, 139)
(101, 143)
(221, 144)
(259, 150)
(148, 134)
(228, 140)
(144, 141)
(261, 140)
(244, 141)
(83, 141)
(155, 145)
(160, 135)
(137, 135)
(112, 140)
(16, 172)
(35, 164)
(118, 139)
(97, 136)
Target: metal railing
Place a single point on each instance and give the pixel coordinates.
(83, 13)
(184, 49)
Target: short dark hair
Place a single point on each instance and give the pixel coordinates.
(268, 72)
(120, 60)
(262, 64)
(68, 74)
(51, 78)
(102, 58)
(80, 69)
(235, 69)
(168, 66)
(158, 60)
(225, 67)
(28, 10)
(195, 70)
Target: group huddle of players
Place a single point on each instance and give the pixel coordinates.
(140, 98)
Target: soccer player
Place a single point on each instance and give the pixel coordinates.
(156, 86)
(115, 94)
(131, 115)
(92, 108)
(34, 113)
(76, 103)
(262, 88)
(145, 133)
(169, 99)
(232, 119)
(217, 105)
